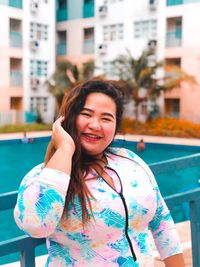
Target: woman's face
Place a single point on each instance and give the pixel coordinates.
(96, 123)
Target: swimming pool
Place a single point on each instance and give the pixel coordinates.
(17, 158)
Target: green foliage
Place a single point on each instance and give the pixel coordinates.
(142, 73)
(24, 128)
(66, 76)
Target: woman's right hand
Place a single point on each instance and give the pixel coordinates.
(60, 138)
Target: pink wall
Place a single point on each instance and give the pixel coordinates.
(6, 92)
(189, 94)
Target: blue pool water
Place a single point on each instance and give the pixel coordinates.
(17, 159)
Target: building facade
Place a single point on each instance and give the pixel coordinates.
(171, 27)
(101, 30)
(75, 30)
(182, 48)
(122, 26)
(27, 52)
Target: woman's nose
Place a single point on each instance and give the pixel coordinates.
(94, 124)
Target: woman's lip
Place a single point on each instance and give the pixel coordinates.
(91, 137)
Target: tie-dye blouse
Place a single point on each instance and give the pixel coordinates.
(118, 233)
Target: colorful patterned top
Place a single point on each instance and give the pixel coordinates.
(117, 234)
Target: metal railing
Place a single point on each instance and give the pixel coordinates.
(61, 15)
(174, 2)
(61, 49)
(193, 198)
(15, 3)
(88, 9)
(26, 245)
(23, 244)
(16, 39)
(174, 39)
(88, 46)
(15, 78)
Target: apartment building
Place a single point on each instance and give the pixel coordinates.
(81, 30)
(122, 25)
(171, 26)
(75, 29)
(182, 47)
(27, 52)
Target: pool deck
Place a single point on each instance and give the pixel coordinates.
(128, 137)
(183, 228)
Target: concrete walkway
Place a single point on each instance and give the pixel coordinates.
(129, 137)
(182, 228)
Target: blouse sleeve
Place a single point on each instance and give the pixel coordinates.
(163, 228)
(41, 200)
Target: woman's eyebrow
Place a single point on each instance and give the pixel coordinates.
(108, 114)
(104, 113)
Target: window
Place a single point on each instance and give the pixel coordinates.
(113, 32)
(39, 103)
(107, 68)
(145, 29)
(88, 43)
(174, 32)
(172, 107)
(38, 68)
(61, 4)
(38, 31)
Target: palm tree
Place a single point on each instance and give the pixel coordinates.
(141, 73)
(66, 76)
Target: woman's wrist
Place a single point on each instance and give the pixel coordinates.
(66, 148)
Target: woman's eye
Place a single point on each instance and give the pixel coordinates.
(106, 119)
(85, 114)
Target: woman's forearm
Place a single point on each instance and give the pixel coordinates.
(175, 260)
(61, 160)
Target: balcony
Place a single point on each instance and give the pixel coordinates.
(174, 39)
(15, 78)
(88, 9)
(61, 15)
(15, 3)
(174, 2)
(88, 46)
(16, 39)
(61, 49)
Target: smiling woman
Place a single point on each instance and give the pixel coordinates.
(96, 127)
(88, 199)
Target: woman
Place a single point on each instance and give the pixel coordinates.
(88, 199)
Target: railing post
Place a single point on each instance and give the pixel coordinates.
(27, 257)
(195, 231)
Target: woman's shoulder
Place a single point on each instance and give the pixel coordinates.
(123, 152)
(36, 169)
(129, 154)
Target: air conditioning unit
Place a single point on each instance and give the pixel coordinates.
(34, 45)
(103, 11)
(152, 44)
(34, 82)
(102, 49)
(34, 5)
(153, 4)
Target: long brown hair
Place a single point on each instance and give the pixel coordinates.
(72, 104)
